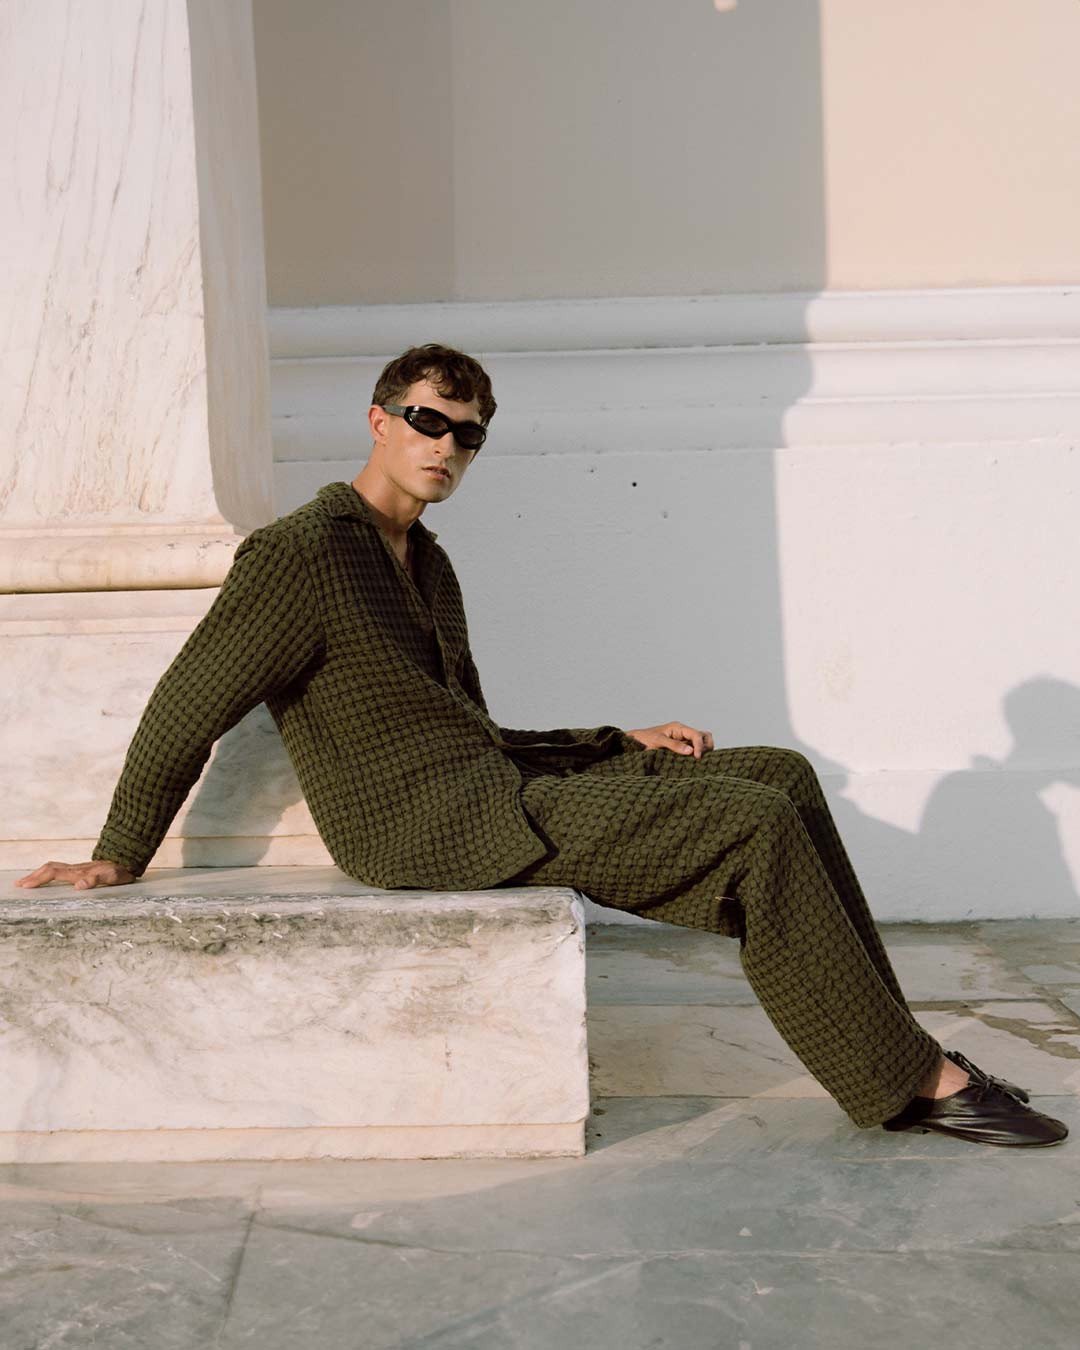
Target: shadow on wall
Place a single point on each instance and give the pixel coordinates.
(248, 788)
(987, 842)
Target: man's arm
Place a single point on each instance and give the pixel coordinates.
(259, 634)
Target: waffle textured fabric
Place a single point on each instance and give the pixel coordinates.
(369, 679)
(742, 842)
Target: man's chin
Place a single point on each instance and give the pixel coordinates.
(435, 489)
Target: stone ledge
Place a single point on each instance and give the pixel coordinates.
(290, 1013)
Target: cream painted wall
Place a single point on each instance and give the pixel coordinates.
(470, 149)
(357, 149)
(951, 135)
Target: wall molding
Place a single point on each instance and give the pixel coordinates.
(972, 314)
(699, 373)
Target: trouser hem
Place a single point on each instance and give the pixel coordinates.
(904, 1092)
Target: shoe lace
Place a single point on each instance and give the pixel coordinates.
(983, 1082)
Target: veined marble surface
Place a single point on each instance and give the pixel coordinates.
(134, 248)
(79, 672)
(287, 999)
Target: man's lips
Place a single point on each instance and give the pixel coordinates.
(434, 468)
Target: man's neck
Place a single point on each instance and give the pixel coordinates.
(393, 513)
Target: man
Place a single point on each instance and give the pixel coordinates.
(345, 617)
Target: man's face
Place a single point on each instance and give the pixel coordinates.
(416, 465)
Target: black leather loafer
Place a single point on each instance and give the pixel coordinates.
(984, 1114)
(978, 1075)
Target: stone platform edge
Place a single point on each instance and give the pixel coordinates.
(347, 1142)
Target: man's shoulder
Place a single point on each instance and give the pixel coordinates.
(327, 526)
(312, 524)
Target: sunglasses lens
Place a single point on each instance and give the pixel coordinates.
(470, 435)
(430, 422)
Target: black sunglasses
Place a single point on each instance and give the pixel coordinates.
(431, 422)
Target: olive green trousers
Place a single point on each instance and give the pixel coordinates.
(741, 842)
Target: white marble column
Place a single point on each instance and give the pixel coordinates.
(134, 411)
(134, 419)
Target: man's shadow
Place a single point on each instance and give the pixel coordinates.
(248, 788)
(986, 835)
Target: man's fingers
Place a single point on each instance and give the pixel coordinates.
(83, 876)
(46, 872)
(677, 743)
(685, 733)
(676, 737)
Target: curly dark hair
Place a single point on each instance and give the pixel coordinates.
(455, 375)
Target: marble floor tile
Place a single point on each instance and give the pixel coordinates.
(640, 1050)
(665, 964)
(134, 1183)
(126, 1276)
(1036, 1044)
(1070, 998)
(1041, 943)
(687, 1301)
(1052, 975)
(934, 967)
(249, 1185)
(686, 1050)
(358, 1288)
(373, 1189)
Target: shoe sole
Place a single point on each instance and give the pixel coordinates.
(994, 1143)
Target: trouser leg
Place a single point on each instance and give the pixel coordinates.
(794, 775)
(732, 855)
(814, 976)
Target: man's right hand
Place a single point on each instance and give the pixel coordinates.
(83, 876)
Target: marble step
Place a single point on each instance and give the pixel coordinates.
(289, 1012)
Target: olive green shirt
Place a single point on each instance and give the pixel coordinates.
(370, 681)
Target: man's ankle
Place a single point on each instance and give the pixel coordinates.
(943, 1080)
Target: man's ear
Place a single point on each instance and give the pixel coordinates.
(377, 421)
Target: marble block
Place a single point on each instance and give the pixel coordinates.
(289, 1013)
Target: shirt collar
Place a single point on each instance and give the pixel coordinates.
(342, 499)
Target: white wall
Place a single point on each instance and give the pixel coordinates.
(845, 523)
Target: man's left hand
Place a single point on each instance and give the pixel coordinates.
(676, 737)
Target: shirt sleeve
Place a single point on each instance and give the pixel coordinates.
(258, 636)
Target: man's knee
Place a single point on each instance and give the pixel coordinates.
(777, 809)
(795, 775)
